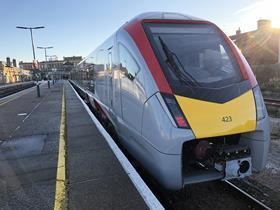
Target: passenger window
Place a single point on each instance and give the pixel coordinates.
(128, 63)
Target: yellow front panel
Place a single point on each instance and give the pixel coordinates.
(208, 119)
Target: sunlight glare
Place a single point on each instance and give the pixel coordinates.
(269, 9)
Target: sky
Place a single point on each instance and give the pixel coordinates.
(76, 27)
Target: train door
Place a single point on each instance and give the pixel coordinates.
(131, 108)
(100, 73)
(116, 103)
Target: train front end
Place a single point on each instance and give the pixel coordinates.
(208, 89)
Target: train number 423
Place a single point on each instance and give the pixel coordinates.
(227, 119)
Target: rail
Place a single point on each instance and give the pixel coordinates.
(272, 101)
(247, 195)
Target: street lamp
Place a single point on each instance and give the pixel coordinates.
(45, 49)
(30, 29)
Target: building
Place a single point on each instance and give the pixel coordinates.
(26, 65)
(261, 46)
(73, 60)
(10, 73)
(54, 65)
(55, 69)
(1, 72)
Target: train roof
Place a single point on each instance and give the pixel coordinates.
(164, 16)
(161, 16)
(153, 16)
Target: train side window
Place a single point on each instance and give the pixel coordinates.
(128, 64)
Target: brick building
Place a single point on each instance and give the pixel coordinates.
(55, 68)
(261, 46)
(10, 73)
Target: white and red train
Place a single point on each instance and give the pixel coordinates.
(181, 97)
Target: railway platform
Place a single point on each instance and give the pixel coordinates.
(52, 155)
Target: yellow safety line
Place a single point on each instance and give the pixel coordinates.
(60, 191)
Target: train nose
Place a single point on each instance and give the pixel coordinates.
(210, 119)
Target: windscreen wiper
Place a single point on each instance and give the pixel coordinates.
(182, 75)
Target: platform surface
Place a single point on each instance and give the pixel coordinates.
(29, 142)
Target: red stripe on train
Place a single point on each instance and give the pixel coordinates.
(137, 33)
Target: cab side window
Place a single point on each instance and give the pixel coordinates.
(128, 64)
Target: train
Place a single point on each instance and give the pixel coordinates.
(181, 97)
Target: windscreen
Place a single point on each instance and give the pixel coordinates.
(193, 55)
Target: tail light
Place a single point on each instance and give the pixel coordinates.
(175, 111)
(260, 107)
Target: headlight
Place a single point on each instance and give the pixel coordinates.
(260, 107)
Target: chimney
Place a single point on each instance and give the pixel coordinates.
(264, 24)
(8, 62)
(14, 63)
(238, 31)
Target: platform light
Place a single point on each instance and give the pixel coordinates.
(45, 49)
(31, 34)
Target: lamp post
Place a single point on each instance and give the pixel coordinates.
(31, 34)
(45, 49)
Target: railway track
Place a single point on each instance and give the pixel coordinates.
(205, 195)
(249, 197)
(272, 102)
(9, 89)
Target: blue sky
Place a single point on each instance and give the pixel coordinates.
(77, 27)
